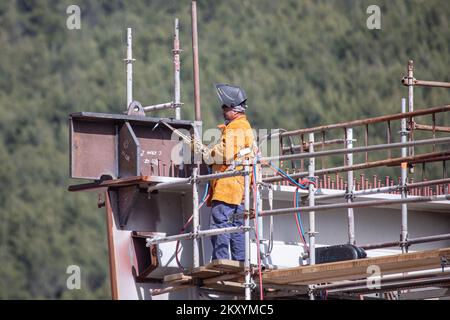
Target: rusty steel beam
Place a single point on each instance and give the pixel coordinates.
(376, 147)
(352, 283)
(435, 159)
(386, 284)
(426, 83)
(408, 242)
(198, 111)
(425, 127)
(385, 189)
(362, 204)
(356, 123)
(367, 165)
(322, 143)
(113, 274)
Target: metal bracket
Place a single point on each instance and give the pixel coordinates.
(349, 195)
(177, 51)
(403, 188)
(409, 81)
(251, 285)
(444, 263)
(404, 243)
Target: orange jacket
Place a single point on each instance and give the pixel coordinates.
(236, 136)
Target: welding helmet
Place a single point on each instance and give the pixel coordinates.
(230, 96)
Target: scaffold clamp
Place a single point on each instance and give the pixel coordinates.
(444, 263)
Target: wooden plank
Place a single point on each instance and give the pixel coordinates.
(357, 269)
(227, 266)
(177, 277)
(155, 292)
(223, 277)
(227, 286)
(203, 272)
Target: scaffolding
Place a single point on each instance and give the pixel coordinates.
(349, 195)
(310, 280)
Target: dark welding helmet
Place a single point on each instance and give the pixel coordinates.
(230, 96)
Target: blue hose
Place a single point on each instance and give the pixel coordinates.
(298, 213)
(302, 186)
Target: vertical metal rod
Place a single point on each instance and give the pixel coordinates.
(259, 201)
(312, 234)
(129, 61)
(323, 148)
(351, 221)
(389, 138)
(247, 231)
(302, 162)
(270, 246)
(312, 222)
(177, 66)
(198, 114)
(366, 140)
(404, 168)
(195, 218)
(345, 139)
(410, 70)
(434, 130)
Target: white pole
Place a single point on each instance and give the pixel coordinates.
(259, 201)
(247, 233)
(404, 167)
(129, 61)
(411, 100)
(351, 218)
(312, 222)
(195, 219)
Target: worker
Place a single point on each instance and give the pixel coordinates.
(226, 200)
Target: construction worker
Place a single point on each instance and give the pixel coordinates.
(227, 194)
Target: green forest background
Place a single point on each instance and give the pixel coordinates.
(302, 63)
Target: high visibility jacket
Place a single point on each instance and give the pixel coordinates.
(236, 135)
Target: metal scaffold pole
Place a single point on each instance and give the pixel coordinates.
(259, 202)
(247, 260)
(404, 177)
(312, 218)
(177, 67)
(195, 219)
(129, 61)
(198, 113)
(410, 71)
(349, 195)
